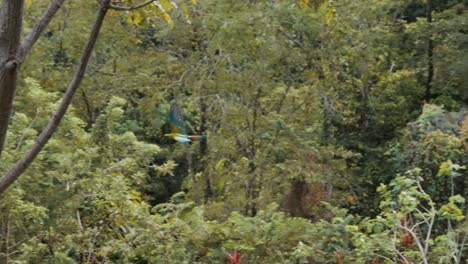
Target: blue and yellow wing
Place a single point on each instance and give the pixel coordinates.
(175, 120)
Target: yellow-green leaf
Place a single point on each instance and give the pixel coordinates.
(166, 5)
(220, 164)
(186, 12)
(445, 168)
(28, 3)
(330, 15)
(164, 15)
(168, 20)
(135, 18)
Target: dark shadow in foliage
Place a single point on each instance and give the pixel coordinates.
(304, 199)
(160, 188)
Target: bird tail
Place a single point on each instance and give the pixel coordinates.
(197, 138)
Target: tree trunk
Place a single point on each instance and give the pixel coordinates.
(21, 165)
(253, 188)
(207, 190)
(12, 53)
(11, 19)
(430, 51)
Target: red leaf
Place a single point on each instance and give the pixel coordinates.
(234, 258)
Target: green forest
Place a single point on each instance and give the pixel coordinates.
(234, 131)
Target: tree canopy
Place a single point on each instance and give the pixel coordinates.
(336, 131)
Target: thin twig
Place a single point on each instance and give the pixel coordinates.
(130, 8)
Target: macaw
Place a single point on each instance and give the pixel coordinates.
(178, 129)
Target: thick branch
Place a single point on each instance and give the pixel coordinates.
(51, 127)
(39, 27)
(11, 22)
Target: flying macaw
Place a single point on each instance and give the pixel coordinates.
(178, 129)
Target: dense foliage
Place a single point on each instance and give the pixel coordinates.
(337, 133)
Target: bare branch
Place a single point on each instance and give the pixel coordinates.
(38, 28)
(422, 245)
(130, 8)
(424, 218)
(428, 234)
(78, 218)
(462, 245)
(432, 219)
(51, 127)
